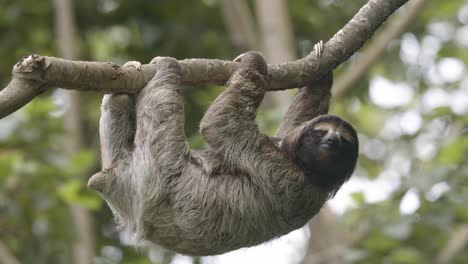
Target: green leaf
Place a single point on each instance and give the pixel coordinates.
(455, 152)
(40, 106)
(372, 167)
(82, 161)
(5, 165)
(380, 243)
(358, 198)
(461, 213)
(406, 256)
(74, 192)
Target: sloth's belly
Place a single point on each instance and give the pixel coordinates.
(216, 231)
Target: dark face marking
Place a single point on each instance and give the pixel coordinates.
(326, 149)
(342, 131)
(327, 138)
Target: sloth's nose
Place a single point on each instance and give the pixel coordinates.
(333, 139)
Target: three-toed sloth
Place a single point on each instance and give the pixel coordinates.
(246, 188)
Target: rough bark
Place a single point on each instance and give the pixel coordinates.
(39, 72)
(83, 243)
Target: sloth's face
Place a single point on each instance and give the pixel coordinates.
(325, 148)
(324, 143)
(329, 138)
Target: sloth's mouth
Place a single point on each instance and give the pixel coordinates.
(330, 146)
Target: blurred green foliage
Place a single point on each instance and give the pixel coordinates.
(37, 182)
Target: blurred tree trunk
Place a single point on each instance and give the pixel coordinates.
(84, 244)
(328, 242)
(240, 24)
(276, 42)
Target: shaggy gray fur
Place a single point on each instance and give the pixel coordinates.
(240, 192)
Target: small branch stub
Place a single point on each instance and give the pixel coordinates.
(29, 65)
(21, 90)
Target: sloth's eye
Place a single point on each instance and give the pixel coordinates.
(320, 133)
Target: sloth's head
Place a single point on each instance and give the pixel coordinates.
(325, 148)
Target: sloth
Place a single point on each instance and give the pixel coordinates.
(245, 188)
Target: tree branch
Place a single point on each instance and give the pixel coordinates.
(377, 48)
(457, 241)
(34, 73)
(6, 257)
